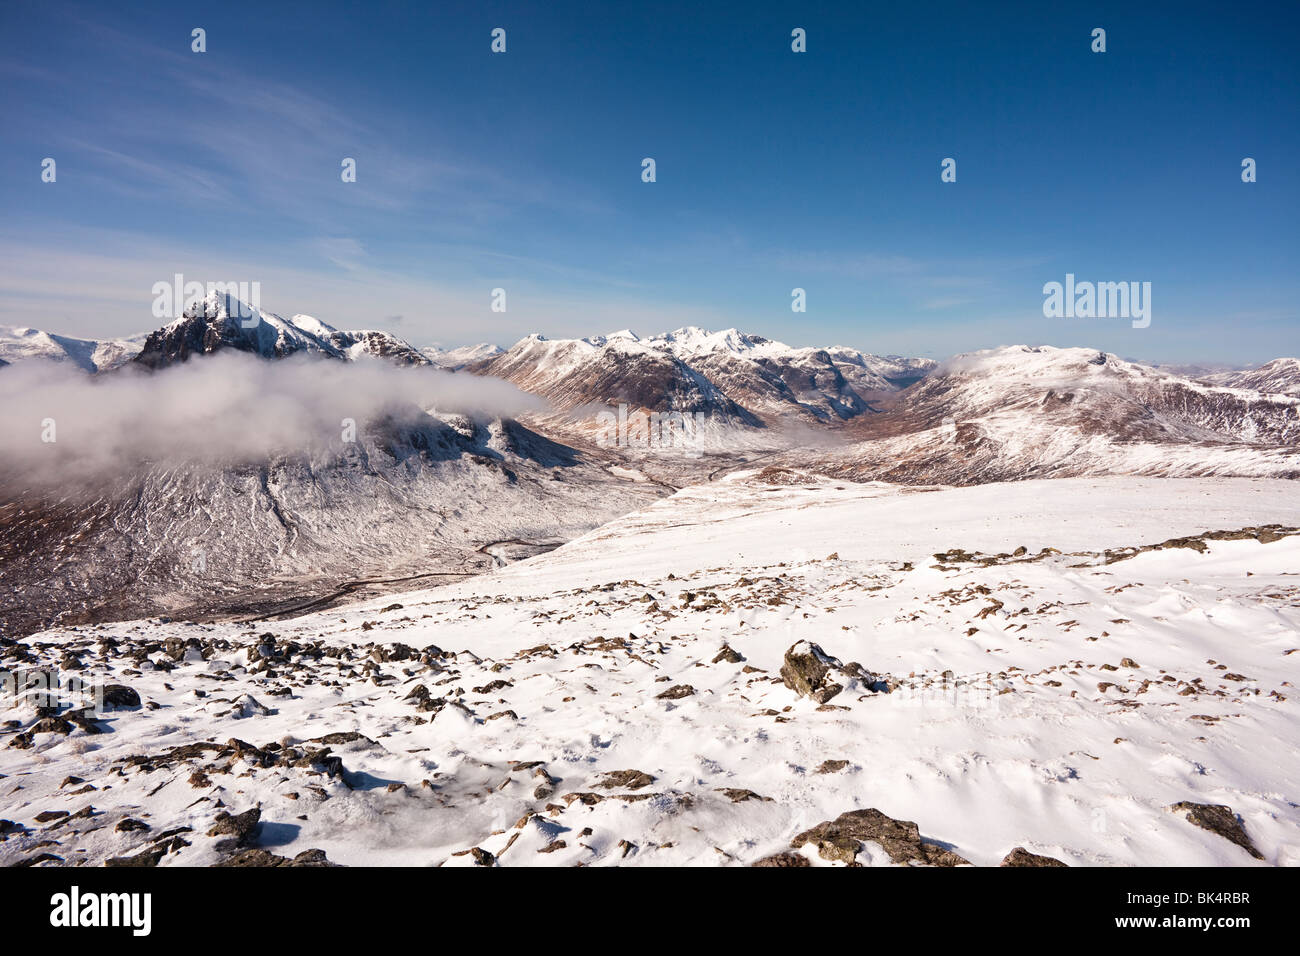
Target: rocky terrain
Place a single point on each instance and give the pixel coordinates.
(799, 673)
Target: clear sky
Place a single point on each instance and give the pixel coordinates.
(775, 169)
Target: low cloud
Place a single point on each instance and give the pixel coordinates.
(226, 409)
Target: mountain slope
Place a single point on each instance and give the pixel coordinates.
(22, 344)
(744, 379)
(376, 344)
(1023, 412)
(414, 494)
(577, 373)
(458, 358)
(620, 701)
(1280, 376)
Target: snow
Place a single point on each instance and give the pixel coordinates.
(460, 357)
(24, 344)
(1280, 376)
(1083, 697)
(314, 327)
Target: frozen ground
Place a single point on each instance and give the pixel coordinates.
(1060, 699)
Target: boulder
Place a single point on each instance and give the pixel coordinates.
(808, 671)
(119, 695)
(842, 838)
(1218, 819)
(1022, 857)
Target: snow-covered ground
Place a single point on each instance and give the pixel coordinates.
(1059, 699)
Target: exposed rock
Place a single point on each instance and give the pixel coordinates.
(729, 655)
(238, 829)
(783, 860)
(807, 671)
(1218, 819)
(677, 692)
(261, 858)
(51, 725)
(146, 858)
(1022, 857)
(8, 827)
(119, 695)
(628, 779)
(249, 706)
(738, 795)
(842, 838)
(832, 766)
(338, 739)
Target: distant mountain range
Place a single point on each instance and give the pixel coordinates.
(1280, 375)
(19, 344)
(438, 494)
(218, 322)
(1033, 412)
(745, 379)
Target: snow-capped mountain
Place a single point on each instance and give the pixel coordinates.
(744, 378)
(879, 373)
(413, 494)
(375, 343)
(219, 321)
(1023, 412)
(18, 344)
(458, 358)
(581, 373)
(1280, 376)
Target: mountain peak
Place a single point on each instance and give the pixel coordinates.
(218, 304)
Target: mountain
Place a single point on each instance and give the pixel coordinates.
(19, 344)
(220, 321)
(879, 373)
(1280, 376)
(414, 492)
(744, 379)
(1023, 412)
(217, 322)
(414, 495)
(458, 358)
(577, 374)
(383, 345)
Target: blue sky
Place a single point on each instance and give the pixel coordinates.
(774, 169)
